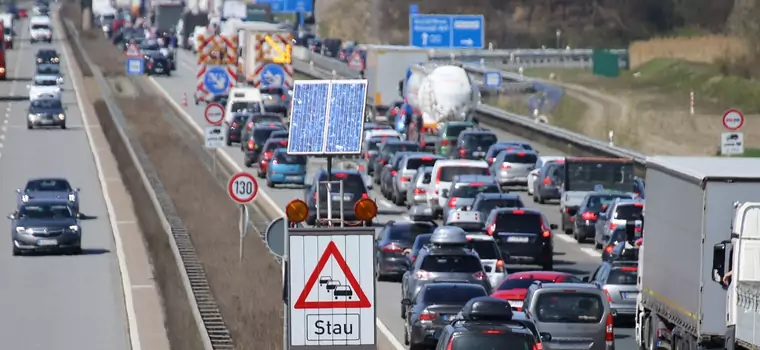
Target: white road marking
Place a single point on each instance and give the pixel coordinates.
(386, 204)
(563, 237)
(591, 251)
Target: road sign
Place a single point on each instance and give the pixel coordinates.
(133, 51)
(356, 61)
(331, 287)
(733, 119)
(214, 136)
(446, 31)
(493, 79)
(414, 9)
(272, 75)
(319, 126)
(242, 188)
(275, 237)
(135, 66)
(214, 113)
(217, 80)
(732, 143)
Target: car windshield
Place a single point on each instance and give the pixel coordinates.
(408, 232)
(447, 295)
(47, 104)
(485, 206)
(273, 144)
(596, 202)
(471, 190)
(486, 249)
(569, 307)
(390, 149)
(623, 276)
(629, 212)
(586, 175)
(47, 186)
(261, 135)
(40, 26)
(447, 173)
(45, 211)
(415, 163)
(251, 107)
(451, 263)
(519, 223)
(45, 82)
(285, 158)
(524, 283)
(493, 340)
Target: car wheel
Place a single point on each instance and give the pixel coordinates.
(260, 174)
(16, 251)
(63, 126)
(248, 163)
(228, 142)
(403, 312)
(270, 184)
(406, 335)
(548, 266)
(75, 251)
(29, 126)
(541, 200)
(399, 200)
(597, 245)
(169, 73)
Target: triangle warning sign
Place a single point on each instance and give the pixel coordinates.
(132, 51)
(355, 61)
(351, 296)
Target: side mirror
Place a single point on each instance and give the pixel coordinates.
(79, 215)
(445, 193)
(553, 226)
(545, 337)
(718, 262)
(18, 190)
(585, 279)
(406, 302)
(77, 189)
(604, 207)
(12, 216)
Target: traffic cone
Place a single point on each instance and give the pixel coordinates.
(184, 99)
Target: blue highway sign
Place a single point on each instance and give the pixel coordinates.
(414, 9)
(272, 75)
(492, 79)
(446, 31)
(288, 5)
(216, 80)
(135, 66)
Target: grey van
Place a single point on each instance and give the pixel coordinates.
(577, 315)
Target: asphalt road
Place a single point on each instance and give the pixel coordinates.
(54, 302)
(569, 255)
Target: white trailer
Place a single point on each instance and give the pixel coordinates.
(385, 66)
(694, 216)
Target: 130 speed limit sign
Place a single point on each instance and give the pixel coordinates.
(242, 188)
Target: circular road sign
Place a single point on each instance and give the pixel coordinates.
(242, 188)
(275, 236)
(733, 119)
(214, 113)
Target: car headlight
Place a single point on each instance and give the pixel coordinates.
(39, 60)
(72, 197)
(105, 28)
(24, 230)
(74, 228)
(25, 198)
(32, 117)
(62, 117)
(60, 80)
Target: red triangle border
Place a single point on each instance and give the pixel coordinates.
(362, 302)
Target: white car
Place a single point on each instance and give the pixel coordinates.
(45, 86)
(40, 29)
(533, 175)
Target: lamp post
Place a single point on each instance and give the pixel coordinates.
(559, 37)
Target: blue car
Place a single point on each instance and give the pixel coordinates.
(49, 189)
(286, 169)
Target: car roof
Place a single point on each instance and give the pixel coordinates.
(45, 77)
(574, 286)
(491, 195)
(47, 178)
(538, 274)
(400, 142)
(458, 123)
(473, 178)
(510, 210)
(461, 162)
(341, 171)
(516, 151)
(46, 51)
(452, 285)
(423, 155)
(448, 250)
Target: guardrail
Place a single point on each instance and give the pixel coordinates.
(322, 67)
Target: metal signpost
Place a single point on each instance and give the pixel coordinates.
(134, 62)
(492, 79)
(732, 142)
(242, 188)
(215, 136)
(447, 31)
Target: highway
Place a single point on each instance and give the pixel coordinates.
(569, 255)
(55, 302)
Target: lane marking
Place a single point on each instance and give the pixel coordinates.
(142, 286)
(386, 203)
(563, 237)
(126, 222)
(591, 251)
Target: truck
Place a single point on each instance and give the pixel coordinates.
(384, 66)
(699, 281)
(166, 15)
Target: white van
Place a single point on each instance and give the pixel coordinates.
(7, 19)
(243, 99)
(444, 172)
(40, 29)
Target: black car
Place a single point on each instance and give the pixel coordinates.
(387, 150)
(45, 225)
(394, 239)
(487, 323)
(523, 234)
(258, 118)
(157, 64)
(354, 189)
(584, 220)
(258, 137)
(276, 99)
(46, 112)
(473, 144)
(235, 128)
(434, 308)
(48, 56)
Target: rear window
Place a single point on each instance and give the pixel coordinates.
(408, 232)
(437, 295)
(451, 263)
(245, 106)
(415, 163)
(520, 158)
(486, 206)
(275, 144)
(261, 135)
(596, 202)
(391, 149)
(524, 283)
(284, 157)
(352, 183)
(629, 212)
(240, 118)
(569, 307)
(487, 250)
(519, 223)
(472, 190)
(374, 143)
(447, 173)
(623, 276)
(479, 140)
(492, 340)
(618, 235)
(453, 131)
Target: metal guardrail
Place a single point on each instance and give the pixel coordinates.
(323, 68)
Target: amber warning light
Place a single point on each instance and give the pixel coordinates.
(297, 210)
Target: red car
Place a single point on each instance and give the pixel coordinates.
(266, 155)
(515, 287)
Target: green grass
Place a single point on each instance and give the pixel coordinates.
(569, 113)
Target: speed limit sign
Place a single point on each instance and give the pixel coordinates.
(242, 188)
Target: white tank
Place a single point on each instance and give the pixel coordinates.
(441, 93)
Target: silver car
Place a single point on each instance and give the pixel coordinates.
(618, 281)
(407, 170)
(618, 213)
(512, 167)
(415, 193)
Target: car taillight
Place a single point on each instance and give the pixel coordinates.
(315, 195)
(283, 143)
(607, 294)
(361, 168)
(451, 345)
(461, 152)
(366, 155)
(491, 160)
(365, 196)
(251, 145)
(480, 275)
(546, 234)
(609, 249)
(394, 111)
(268, 155)
(491, 229)
(547, 181)
(382, 161)
(499, 266)
(609, 329)
(452, 202)
(444, 142)
(249, 126)
(589, 215)
(419, 191)
(427, 316)
(150, 64)
(405, 179)
(422, 275)
(392, 248)
(538, 346)
(393, 173)
(414, 257)
(283, 97)
(506, 166)
(613, 226)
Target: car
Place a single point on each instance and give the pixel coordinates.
(585, 219)
(354, 189)
(484, 203)
(157, 64)
(445, 258)
(276, 99)
(49, 225)
(617, 213)
(447, 135)
(443, 174)
(624, 251)
(473, 144)
(259, 118)
(390, 170)
(487, 323)
(415, 192)
(50, 69)
(235, 128)
(48, 56)
(515, 287)
(40, 28)
(8, 36)
(491, 257)
(548, 184)
(524, 234)
(372, 145)
(433, 308)
(393, 241)
(49, 188)
(387, 150)
(285, 169)
(533, 175)
(512, 167)
(407, 169)
(265, 154)
(45, 86)
(618, 281)
(419, 243)
(464, 189)
(46, 112)
(499, 146)
(574, 313)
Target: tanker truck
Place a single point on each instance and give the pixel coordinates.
(435, 93)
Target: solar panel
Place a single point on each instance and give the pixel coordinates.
(327, 117)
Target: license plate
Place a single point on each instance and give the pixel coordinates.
(47, 242)
(515, 304)
(47, 121)
(159, 70)
(346, 197)
(295, 178)
(478, 154)
(629, 295)
(518, 239)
